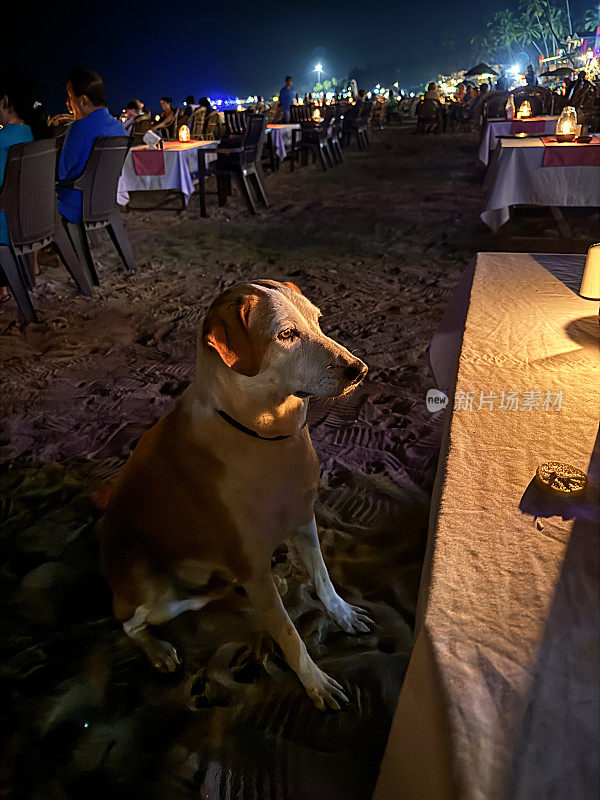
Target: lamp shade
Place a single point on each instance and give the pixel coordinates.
(184, 133)
(590, 283)
(567, 121)
(524, 110)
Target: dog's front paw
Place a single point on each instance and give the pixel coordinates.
(324, 691)
(351, 619)
(162, 655)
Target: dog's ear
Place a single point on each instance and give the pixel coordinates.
(293, 286)
(226, 330)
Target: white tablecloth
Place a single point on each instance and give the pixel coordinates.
(501, 700)
(281, 137)
(516, 177)
(181, 171)
(496, 128)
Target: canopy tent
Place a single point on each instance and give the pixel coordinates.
(561, 72)
(480, 70)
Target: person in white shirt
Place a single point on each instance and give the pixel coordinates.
(133, 110)
(433, 93)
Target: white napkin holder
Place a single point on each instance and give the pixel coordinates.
(152, 139)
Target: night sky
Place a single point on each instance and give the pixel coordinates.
(170, 47)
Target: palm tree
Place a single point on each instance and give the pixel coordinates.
(503, 26)
(528, 31)
(481, 46)
(535, 8)
(592, 18)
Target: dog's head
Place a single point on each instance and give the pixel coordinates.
(270, 331)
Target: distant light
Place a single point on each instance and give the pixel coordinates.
(515, 70)
(318, 67)
(86, 724)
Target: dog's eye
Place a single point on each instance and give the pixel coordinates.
(287, 334)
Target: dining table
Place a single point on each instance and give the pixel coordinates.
(539, 171)
(173, 168)
(500, 126)
(502, 695)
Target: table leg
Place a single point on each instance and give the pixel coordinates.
(561, 222)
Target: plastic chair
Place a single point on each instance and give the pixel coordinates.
(196, 122)
(243, 165)
(98, 185)
(235, 122)
(355, 124)
(141, 125)
(29, 202)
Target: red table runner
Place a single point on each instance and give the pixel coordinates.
(559, 154)
(148, 162)
(528, 126)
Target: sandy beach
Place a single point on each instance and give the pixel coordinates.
(378, 244)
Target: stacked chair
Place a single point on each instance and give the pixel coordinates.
(314, 139)
(98, 183)
(241, 163)
(356, 125)
(28, 198)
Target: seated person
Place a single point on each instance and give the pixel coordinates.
(167, 117)
(212, 127)
(87, 98)
(483, 89)
(361, 97)
(460, 93)
(259, 107)
(393, 108)
(22, 120)
(133, 110)
(473, 97)
(189, 106)
(433, 93)
(530, 76)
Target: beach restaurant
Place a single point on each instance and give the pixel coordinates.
(301, 473)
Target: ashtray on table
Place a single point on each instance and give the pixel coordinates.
(584, 139)
(565, 137)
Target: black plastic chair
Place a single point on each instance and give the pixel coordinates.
(29, 202)
(355, 125)
(236, 122)
(302, 113)
(243, 164)
(98, 185)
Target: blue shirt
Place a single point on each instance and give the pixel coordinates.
(78, 144)
(286, 98)
(502, 83)
(530, 79)
(9, 135)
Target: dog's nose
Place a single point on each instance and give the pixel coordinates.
(355, 371)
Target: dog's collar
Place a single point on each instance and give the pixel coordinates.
(235, 424)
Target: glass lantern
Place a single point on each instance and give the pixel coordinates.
(524, 110)
(566, 125)
(184, 133)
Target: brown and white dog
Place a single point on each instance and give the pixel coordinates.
(230, 474)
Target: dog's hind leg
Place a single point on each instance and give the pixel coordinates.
(162, 655)
(352, 619)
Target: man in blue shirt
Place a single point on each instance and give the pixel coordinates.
(502, 82)
(87, 98)
(286, 98)
(530, 78)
